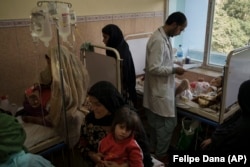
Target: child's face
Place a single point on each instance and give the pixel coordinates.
(121, 132)
(216, 82)
(34, 99)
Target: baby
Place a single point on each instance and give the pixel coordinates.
(195, 88)
(206, 87)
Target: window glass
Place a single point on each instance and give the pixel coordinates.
(230, 30)
(215, 27)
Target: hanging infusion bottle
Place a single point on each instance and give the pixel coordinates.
(47, 33)
(63, 21)
(40, 25)
(37, 19)
(72, 17)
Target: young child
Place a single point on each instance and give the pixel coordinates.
(207, 87)
(119, 146)
(195, 88)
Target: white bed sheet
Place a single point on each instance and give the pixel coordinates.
(35, 134)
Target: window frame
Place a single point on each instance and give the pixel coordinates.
(208, 36)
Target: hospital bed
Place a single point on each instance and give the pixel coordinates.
(137, 45)
(102, 67)
(235, 71)
(41, 139)
(67, 116)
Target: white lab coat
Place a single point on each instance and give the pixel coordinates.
(159, 84)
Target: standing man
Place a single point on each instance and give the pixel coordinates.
(159, 86)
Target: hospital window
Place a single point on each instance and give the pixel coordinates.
(215, 27)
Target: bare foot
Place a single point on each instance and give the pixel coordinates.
(184, 85)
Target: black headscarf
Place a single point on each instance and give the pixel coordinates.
(107, 95)
(115, 35)
(116, 40)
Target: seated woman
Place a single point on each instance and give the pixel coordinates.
(103, 101)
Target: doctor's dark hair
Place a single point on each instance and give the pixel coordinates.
(127, 117)
(177, 17)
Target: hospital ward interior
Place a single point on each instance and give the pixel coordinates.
(52, 52)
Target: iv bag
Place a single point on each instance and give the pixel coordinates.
(40, 25)
(37, 19)
(46, 28)
(72, 17)
(63, 21)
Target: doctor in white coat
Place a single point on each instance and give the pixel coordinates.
(159, 86)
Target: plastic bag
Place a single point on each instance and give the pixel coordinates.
(188, 133)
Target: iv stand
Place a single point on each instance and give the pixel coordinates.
(39, 3)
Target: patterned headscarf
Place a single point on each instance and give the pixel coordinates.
(107, 95)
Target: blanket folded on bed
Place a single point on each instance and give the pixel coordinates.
(68, 95)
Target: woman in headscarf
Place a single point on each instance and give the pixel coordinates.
(113, 37)
(103, 101)
(12, 150)
(233, 135)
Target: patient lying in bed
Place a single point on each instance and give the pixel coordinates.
(37, 97)
(206, 94)
(200, 86)
(36, 105)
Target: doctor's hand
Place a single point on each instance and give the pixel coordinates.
(179, 70)
(179, 63)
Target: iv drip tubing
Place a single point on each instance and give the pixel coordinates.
(39, 4)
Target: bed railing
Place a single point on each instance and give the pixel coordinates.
(100, 66)
(236, 71)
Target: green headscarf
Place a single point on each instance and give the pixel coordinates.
(12, 136)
